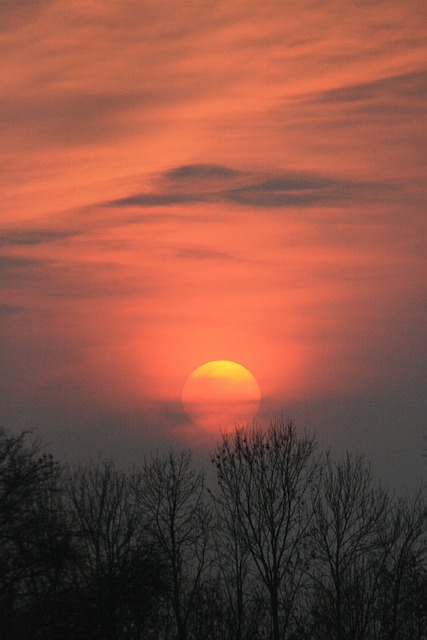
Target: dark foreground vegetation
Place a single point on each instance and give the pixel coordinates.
(289, 545)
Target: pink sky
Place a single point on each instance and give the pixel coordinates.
(185, 182)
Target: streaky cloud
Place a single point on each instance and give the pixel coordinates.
(12, 263)
(157, 199)
(33, 238)
(291, 182)
(202, 172)
(404, 86)
(212, 183)
(287, 192)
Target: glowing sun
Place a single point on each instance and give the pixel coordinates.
(219, 394)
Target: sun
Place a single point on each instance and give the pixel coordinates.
(220, 394)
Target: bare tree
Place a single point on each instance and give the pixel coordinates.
(402, 607)
(112, 544)
(353, 542)
(32, 544)
(243, 606)
(265, 479)
(172, 497)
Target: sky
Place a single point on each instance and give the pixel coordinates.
(184, 182)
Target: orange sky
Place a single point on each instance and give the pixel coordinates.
(185, 182)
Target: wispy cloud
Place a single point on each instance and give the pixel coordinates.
(34, 237)
(400, 92)
(14, 263)
(219, 183)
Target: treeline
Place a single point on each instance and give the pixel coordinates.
(290, 544)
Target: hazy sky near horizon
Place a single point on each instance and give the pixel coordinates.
(191, 181)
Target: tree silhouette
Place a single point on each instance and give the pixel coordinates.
(403, 595)
(288, 546)
(265, 479)
(34, 548)
(354, 542)
(117, 566)
(172, 497)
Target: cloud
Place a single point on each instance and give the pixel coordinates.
(219, 183)
(303, 190)
(201, 172)
(385, 95)
(158, 199)
(12, 263)
(32, 238)
(184, 184)
(407, 85)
